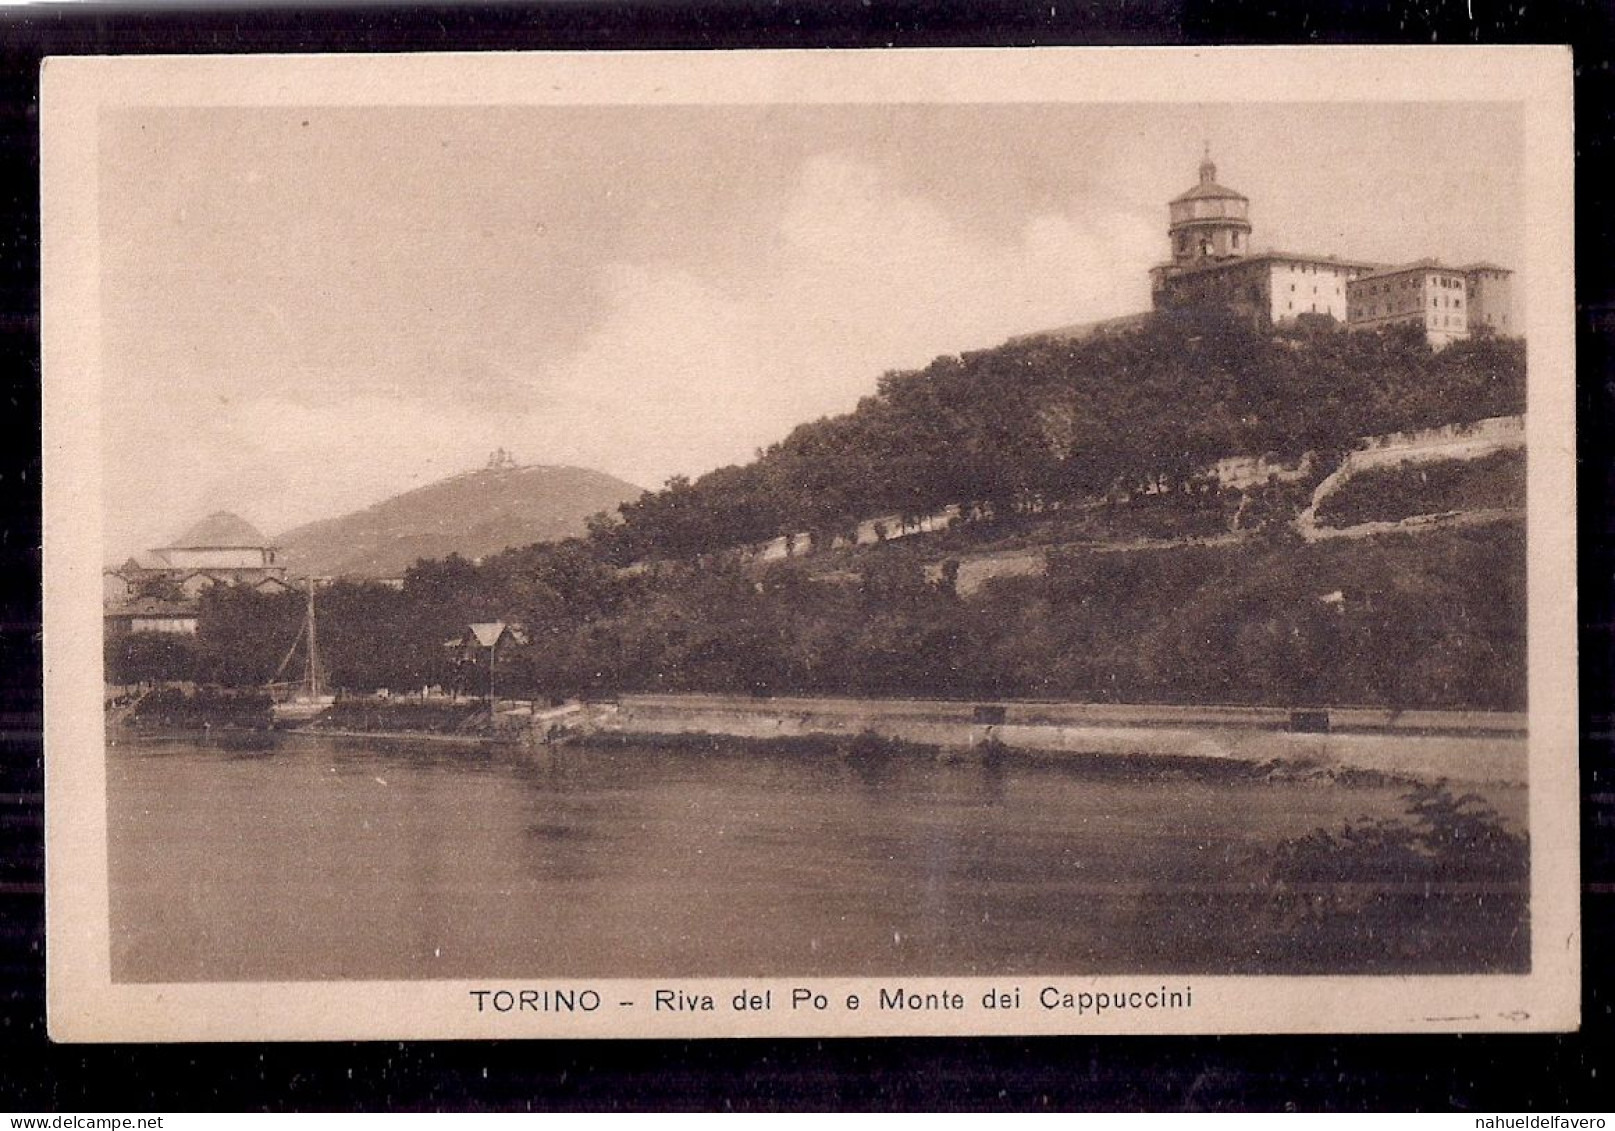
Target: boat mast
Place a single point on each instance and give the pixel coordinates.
(313, 675)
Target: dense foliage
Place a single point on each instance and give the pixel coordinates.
(1447, 886)
(1039, 422)
(1429, 620)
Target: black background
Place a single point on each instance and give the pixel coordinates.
(1479, 1073)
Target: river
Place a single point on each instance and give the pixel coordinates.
(328, 858)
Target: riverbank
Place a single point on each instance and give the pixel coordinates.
(1474, 747)
(1478, 747)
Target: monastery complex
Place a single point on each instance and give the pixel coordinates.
(1213, 266)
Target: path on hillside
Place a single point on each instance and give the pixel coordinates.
(1413, 524)
(977, 569)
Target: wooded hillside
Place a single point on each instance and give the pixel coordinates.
(1043, 422)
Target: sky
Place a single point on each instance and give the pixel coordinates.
(306, 311)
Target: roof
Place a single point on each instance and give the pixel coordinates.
(1271, 256)
(220, 530)
(1087, 329)
(1208, 190)
(1486, 265)
(1416, 265)
(488, 633)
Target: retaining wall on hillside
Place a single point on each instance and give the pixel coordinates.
(1431, 445)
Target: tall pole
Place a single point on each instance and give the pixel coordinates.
(313, 648)
(492, 649)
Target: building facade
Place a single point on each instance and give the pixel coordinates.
(1491, 300)
(1214, 266)
(157, 591)
(1272, 288)
(1426, 294)
(151, 615)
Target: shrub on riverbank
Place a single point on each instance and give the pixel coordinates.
(1445, 886)
(171, 708)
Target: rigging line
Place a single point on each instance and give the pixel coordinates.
(290, 652)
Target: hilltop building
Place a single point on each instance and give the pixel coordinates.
(1423, 294)
(1214, 266)
(1491, 303)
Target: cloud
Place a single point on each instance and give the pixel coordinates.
(685, 367)
(686, 373)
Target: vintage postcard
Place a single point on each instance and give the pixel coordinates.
(810, 543)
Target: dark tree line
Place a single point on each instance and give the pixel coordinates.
(1428, 620)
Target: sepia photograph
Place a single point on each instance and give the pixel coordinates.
(874, 542)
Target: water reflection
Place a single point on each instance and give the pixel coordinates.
(338, 859)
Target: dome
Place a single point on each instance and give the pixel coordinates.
(1208, 188)
(221, 530)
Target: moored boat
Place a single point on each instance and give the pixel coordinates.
(306, 699)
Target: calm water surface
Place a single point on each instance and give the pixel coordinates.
(331, 858)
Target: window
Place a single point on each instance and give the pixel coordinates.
(1457, 302)
(1434, 301)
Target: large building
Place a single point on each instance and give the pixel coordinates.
(224, 542)
(156, 591)
(1424, 294)
(1213, 265)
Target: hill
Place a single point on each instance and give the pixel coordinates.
(473, 515)
(1048, 423)
(1091, 550)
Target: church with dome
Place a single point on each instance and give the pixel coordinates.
(1213, 265)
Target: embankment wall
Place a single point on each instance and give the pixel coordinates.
(1460, 746)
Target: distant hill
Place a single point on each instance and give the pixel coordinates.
(473, 515)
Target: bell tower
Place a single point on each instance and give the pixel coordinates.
(1209, 223)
